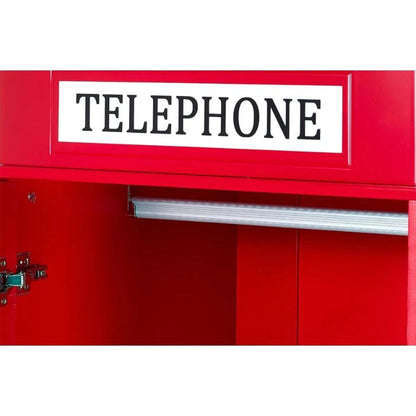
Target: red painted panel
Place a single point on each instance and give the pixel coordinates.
(278, 186)
(352, 287)
(411, 290)
(267, 281)
(225, 162)
(25, 118)
(8, 240)
(382, 130)
(119, 280)
(383, 126)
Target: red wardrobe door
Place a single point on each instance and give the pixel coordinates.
(8, 221)
(352, 288)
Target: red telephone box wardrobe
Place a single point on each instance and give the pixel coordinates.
(174, 244)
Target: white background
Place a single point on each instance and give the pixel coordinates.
(207, 35)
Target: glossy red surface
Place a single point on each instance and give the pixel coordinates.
(411, 278)
(267, 280)
(119, 280)
(8, 246)
(224, 162)
(352, 287)
(219, 183)
(115, 279)
(381, 133)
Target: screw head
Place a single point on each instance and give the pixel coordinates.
(31, 197)
(3, 302)
(3, 263)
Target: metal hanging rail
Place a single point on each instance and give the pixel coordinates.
(372, 222)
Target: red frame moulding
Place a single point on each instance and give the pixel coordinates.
(282, 186)
(204, 161)
(378, 107)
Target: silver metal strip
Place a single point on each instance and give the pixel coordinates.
(372, 222)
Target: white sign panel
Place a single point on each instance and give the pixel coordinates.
(300, 118)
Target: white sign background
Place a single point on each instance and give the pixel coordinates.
(328, 117)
